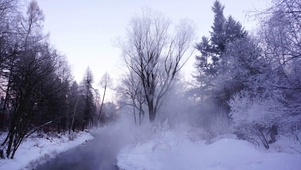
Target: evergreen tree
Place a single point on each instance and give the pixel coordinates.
(89, 105)
(218, 28)
(213, 60)
(224, 31)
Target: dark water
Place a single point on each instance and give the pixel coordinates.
(97, 154)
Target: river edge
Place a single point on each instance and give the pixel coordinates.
(41, 147)
(99, 153)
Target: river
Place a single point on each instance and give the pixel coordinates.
(97, 154)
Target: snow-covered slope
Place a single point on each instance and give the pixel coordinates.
(37, 150)
(174, 150)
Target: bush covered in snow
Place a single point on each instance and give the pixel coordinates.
(181, 148)
(261, 120)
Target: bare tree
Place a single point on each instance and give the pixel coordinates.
(8, 51)
(281, 30)
(34, 87)
(132, 90)
(281, 38)
(105, 82)
(156, 55)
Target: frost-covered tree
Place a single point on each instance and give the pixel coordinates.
(246, 67)
(28, 73)
(256, 119)
(8, 52)
(273, 103)
(213, 60)
(281, 37)
(155, 55)
(35, 78)
(132, 95)
(281, 29)
(88, 94)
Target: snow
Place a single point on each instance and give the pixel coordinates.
(165, 148)
(36, 150)
(178, 150)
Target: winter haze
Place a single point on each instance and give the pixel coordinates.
(150, 85)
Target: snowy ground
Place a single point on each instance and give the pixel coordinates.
(36, 150)
(180, 149)
(163, 148)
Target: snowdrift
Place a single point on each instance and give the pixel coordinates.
(174, 150)
(37, 150)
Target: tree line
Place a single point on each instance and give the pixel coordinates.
(250, 82)
(38, 92)
(253, 80)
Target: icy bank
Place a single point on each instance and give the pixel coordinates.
(36, 150)
(171, 150)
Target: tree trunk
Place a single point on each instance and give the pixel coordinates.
(134, 110)
(102, 101)
(141, 113)
(73, 117)
(151, 111)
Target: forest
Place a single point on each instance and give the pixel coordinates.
(245, 84)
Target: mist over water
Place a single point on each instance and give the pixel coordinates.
(100, 153)
(176, 113)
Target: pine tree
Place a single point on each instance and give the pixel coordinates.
(218, 28)
(213, 60)
(224, 31)
(89, 105)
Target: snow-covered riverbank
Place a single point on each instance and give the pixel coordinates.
(156, 148)
(170, 149)
(40, 148)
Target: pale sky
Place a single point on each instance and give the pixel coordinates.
(85, 31)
